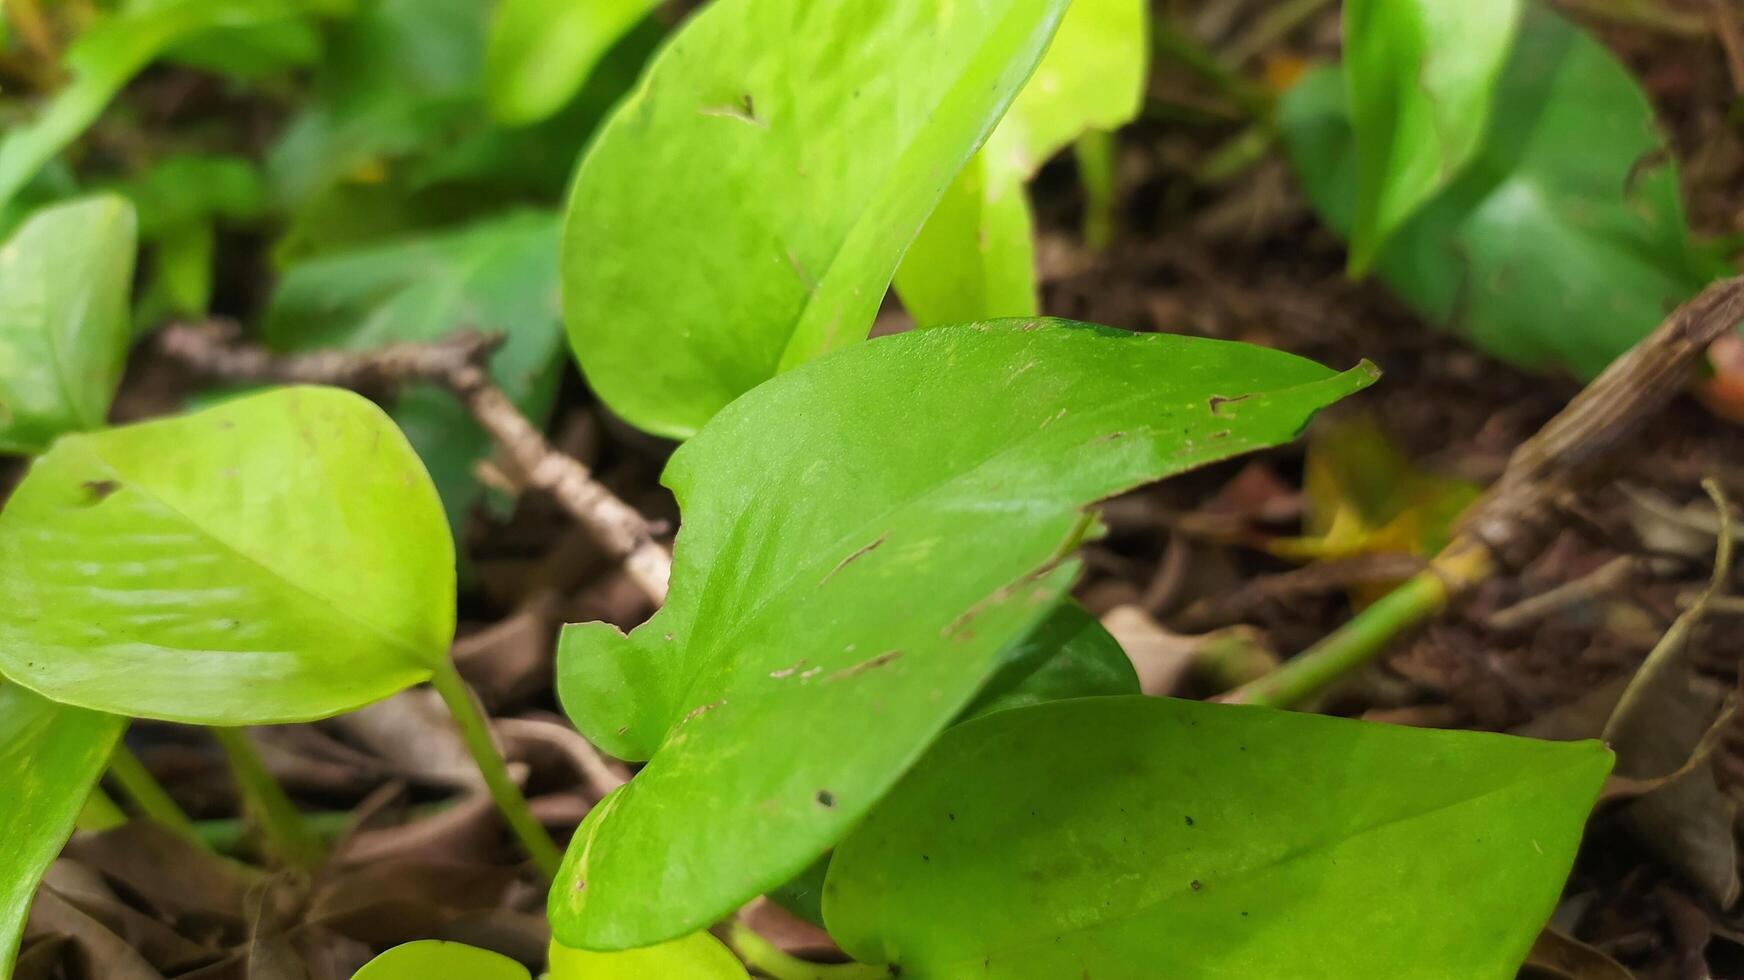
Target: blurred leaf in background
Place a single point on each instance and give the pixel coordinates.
(541, 51)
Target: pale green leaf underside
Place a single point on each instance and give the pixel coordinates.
(856, 552)
(975, 258)
(541, 51)
(50, 757)
(745, 210)
(65, 278)
(433, 959)
(698, 956)
(1421, 75)
(279, 557)
(1136, 837)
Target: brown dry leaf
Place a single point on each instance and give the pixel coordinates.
(390, 902)
(512, 659)
(100, 953)
(161, 946)
(413, 734)
(1219, 660)
(1661, 721)
(172, 875)
(788, 932)
(1561, 955)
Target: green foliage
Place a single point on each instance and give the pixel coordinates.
(180, 199)
(498, 276)
(432, 959)
(746, 207)
(540, 51)
(1563, 242)
(64, 281)
(698, 956)
(50, 756)
(975, 257)
(1420, 76)
(845, 574)
(279, 557)
(1068, 655)
(1156, 837)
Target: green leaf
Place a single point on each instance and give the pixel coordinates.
(698, 956)
(1069, 655)
(185, 189)
(434, 959)
(280, 557)
(1149, 837)
(540, 51)
(106, 57)
(1564, 241)
(1421, 75)
(64, 282)
(497, 276)
(846, 578)
(745, 209)
(974, 258)
(50, 757)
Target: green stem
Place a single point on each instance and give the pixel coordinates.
(761, 955)
(148, 796)
(287, 837)
(475, 733)
(229, 836)
(1096, 171)
(1367, 633)
(100, 812)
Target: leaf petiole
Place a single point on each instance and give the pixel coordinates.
(287, 836)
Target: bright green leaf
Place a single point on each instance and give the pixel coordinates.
(745, 209)
(856, 552)
(1069, 655)
(50, 757)
(107, 56)
(975, 258)
(1420, 76)
(1149, 837)
(540, 51)
(433, 959)
(698, 956)
(497, 276)
(64, 283)
(279, 557)
(1563, 243)
(186, 188)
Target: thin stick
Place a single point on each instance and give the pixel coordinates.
(281, 824)
(458, 364)
(475, 733)
(147, 794)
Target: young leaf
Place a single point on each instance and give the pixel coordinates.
(498, 275)
(64, 282)
(1149, 837)
(851, 574)
(698, 956)
(50, 757)
(1421, 75)
(279, 557)
(1069, 655)
(540, 51)
(1564, 241)
(974, 258)
(434, 959)
(745, 209)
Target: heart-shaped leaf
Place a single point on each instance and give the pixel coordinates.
(433, 959)
(975, 257)
(50, 757)
(541, 51)
(745, 209)
(857, 551)
(1149, 837)
(275, 558)
(698, 956)
(64, 282)
(1564, 241)
(1420, 75)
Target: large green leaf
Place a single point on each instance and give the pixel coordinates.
(698, 956)
(745, 209)
(50, 757)
(107, 56)
(64, 283)
(1149, 837)
(975, 258)
(1420, 76)
(497, 275)
(1564, 241)
(1067, 655)
(276, 558)
(540, 51)
(434, 959)
(857, 551)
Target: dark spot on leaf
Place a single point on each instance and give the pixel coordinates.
(99, 490)
(1110, 437)
(1196, 885)
(870, 663)
(1189, 821)
(826, 798)
(856, 553)
(1216, 402)
(744, 110)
